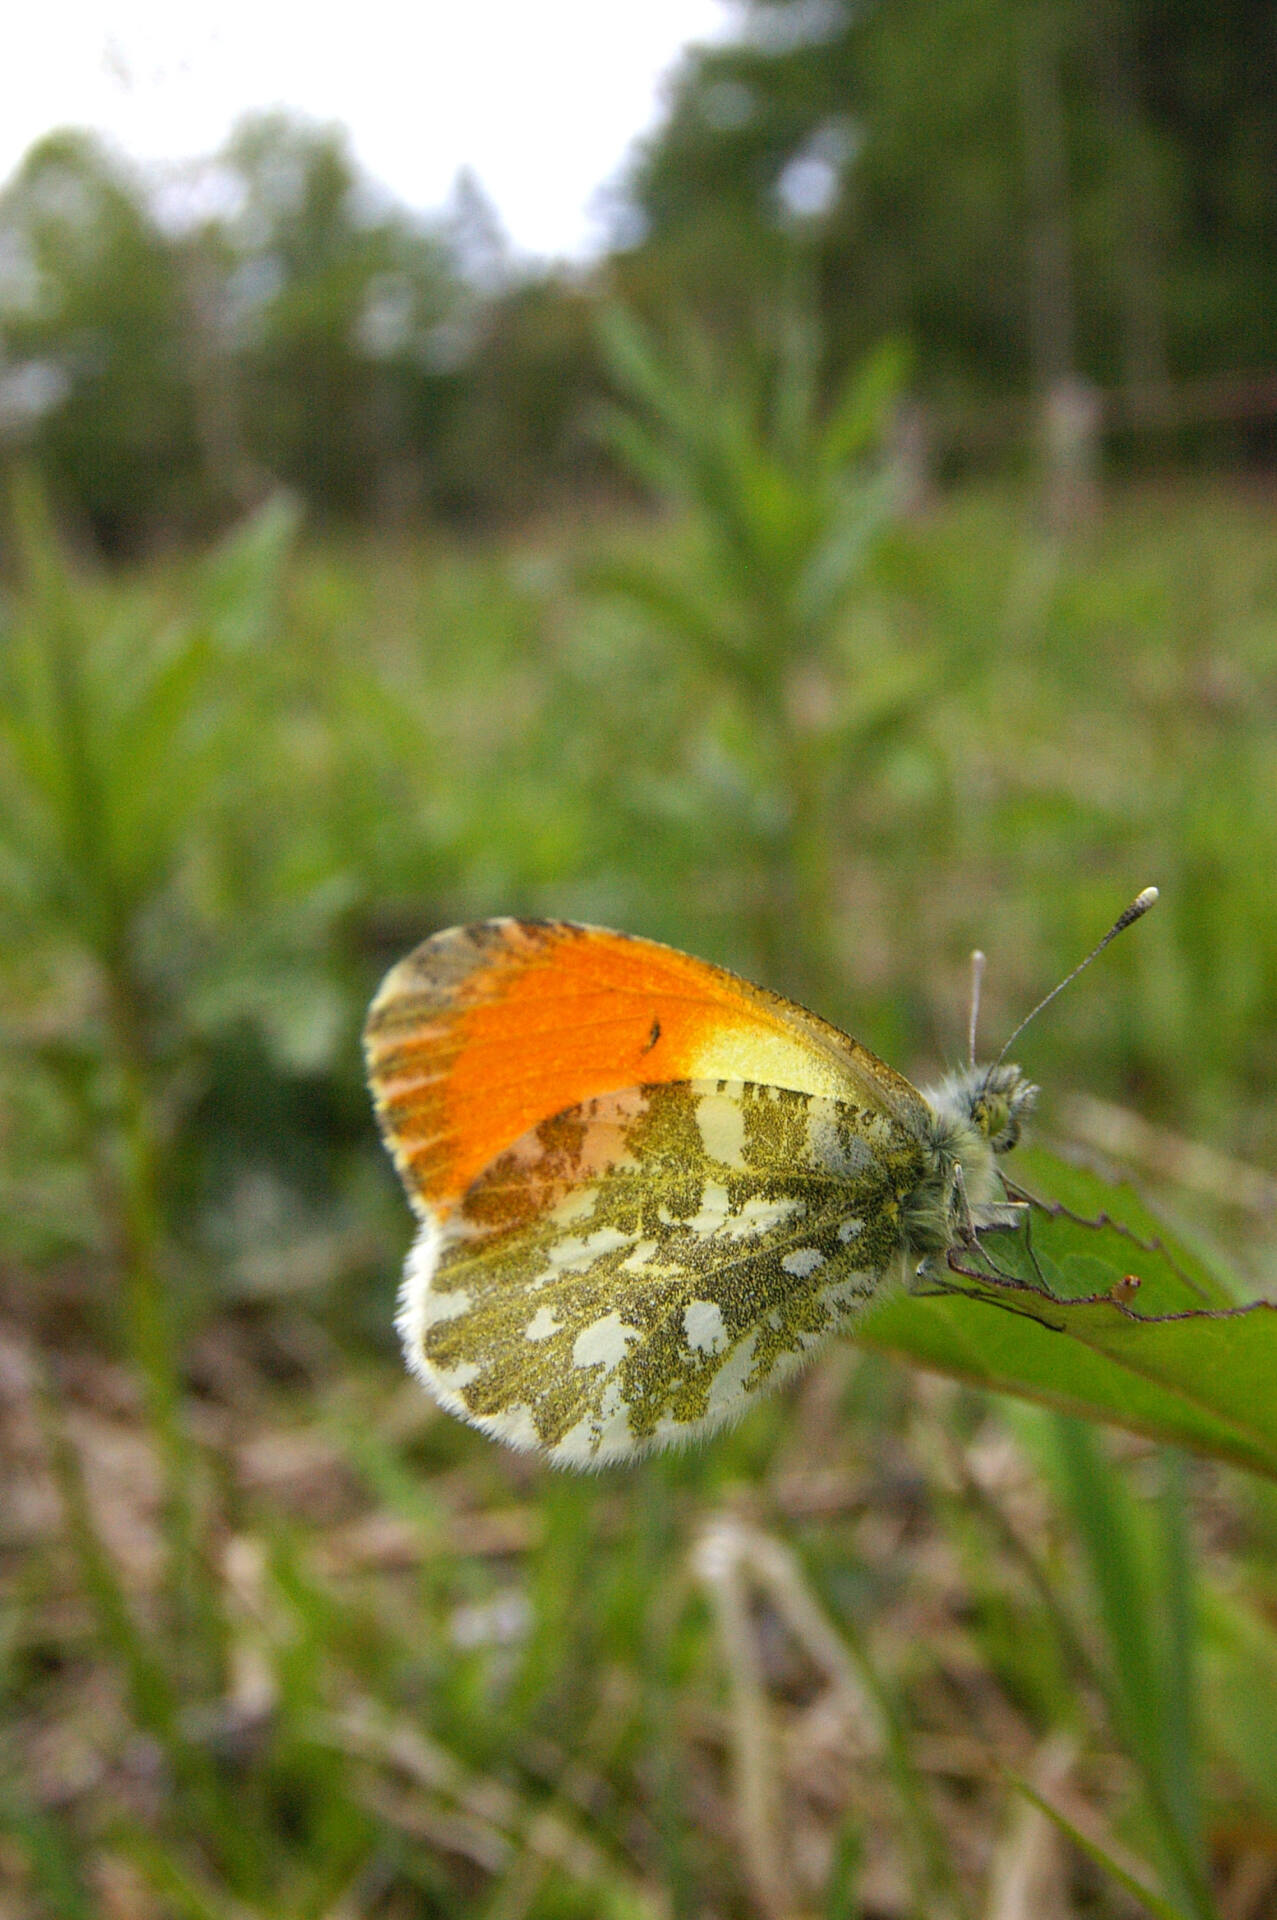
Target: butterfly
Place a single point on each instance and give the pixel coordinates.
(648, 1190)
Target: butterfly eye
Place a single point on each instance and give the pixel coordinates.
(990, 1113)
(999, 1103)
(997, 1115)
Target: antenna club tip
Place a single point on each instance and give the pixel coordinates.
(1136, 911)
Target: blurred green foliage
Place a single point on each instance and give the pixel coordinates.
(785, 497)
(325, 1645)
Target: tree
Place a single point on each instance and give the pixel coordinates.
(957, 167)
(336, 309)
(92, 323)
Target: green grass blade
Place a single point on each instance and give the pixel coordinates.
(1151, 1902)
(1151, 1688)
(52, 1854)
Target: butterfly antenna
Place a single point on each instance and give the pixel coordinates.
(977, 975)
(1136, 911)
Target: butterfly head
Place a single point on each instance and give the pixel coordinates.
(988, 1102)
(996, 1099)
(971, 1117)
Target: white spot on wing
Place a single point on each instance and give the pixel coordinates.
(853, 1291)
(802, 1261)
(612, 1399)
(595, 1440)
(703, 1325)
(514, 1425)
(605, 1343)
(713, 1210)
(727, 1390)
(577, 1255)
(759, 1215)
(574, 1206)
(438, 1307)
(450, 1380)
(847, 1155)
(722, 1128)
(850, 1228)
(542, 1324)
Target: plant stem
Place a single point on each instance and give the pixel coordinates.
(148, 1313)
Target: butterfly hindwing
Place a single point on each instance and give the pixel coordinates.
(635, 1268)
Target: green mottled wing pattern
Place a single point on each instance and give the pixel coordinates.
(635, 1269)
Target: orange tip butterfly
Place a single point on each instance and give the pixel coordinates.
(647, 1190)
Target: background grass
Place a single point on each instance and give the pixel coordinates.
(279, 1639)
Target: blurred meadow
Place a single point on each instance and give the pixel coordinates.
(349, 591)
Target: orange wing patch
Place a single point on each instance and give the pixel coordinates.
(485, 1031)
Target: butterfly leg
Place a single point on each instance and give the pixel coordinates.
(995, 1216)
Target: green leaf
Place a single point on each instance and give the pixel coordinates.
(857, 517)
(636, 447)
(237, 587)
(1140, 1565)
(672, 603)
(861, 407)
(1239, 1691)
(1050, 1312)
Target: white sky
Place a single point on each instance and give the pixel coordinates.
(541, 97)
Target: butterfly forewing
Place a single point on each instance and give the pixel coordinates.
(633, 1269)
(485, 1030)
